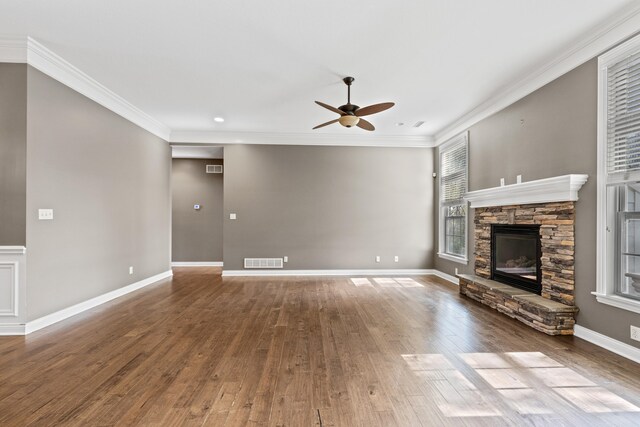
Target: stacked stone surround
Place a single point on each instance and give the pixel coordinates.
(553, 312)
(556, 222)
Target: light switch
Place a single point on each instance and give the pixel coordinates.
(232, 216)
(45, 213)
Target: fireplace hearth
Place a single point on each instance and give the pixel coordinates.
(515, 256)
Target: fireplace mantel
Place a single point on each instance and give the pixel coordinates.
(556, 189)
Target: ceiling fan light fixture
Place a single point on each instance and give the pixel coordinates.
(348, 120)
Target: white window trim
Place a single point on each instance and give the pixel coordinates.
(459, 139)
(605, 289)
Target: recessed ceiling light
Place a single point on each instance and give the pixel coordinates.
(218, 119)
(418, 124)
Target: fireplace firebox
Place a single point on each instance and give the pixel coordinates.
(515, 256)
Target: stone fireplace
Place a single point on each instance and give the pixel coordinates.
(555, 225)
(525, 252)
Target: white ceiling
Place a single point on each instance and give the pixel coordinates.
(261, 64)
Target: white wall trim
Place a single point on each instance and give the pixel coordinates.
(619, 27)
(12, 309)
(63, 314)
(618, 301)
(197, 264)
(556, 189)
(10, 329)
(281, 138)
(452, 144)
(43, 59)
(13, 250)
(445, 276)
(605, 209)
(453, 258)
(360, 272)
(618, 347)
(13, 49)
(26, 49)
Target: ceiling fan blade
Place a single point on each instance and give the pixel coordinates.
(326, 124)
(330, 108)
(373, 109)
(363, 124)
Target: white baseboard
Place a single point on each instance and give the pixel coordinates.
(63, 314)
(618, 347)
(445, 276)
(12, 329)
(369, 272)
(197, 264)
(366, 272)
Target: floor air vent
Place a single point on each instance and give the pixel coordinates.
(263, 263)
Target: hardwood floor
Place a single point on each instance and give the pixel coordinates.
(202, 350)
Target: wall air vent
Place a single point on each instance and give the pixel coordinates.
(263, 263)
(214, 168)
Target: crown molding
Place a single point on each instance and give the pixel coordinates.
(615, 30)
(13, 49)
(282, 138)
(29, 51)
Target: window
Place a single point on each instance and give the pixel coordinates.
(453, 208)
(619, 177)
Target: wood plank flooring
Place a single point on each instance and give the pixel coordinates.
(321, 351)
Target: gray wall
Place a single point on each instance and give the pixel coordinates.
(13, 149)
(558, 136)
(329, 207)
(196, 234)
(108, 182)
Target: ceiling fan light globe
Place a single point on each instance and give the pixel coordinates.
(348, 120)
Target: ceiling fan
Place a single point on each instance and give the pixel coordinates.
(351, 114)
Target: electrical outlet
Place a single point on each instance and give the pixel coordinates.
(377, 258)
(45, 214)
(396, 258)
(286, 258)
(635, 333)
(131, 270)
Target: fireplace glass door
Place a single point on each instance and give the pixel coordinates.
(516, 256)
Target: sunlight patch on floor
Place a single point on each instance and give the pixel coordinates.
(407, 282)
(425, 362)
(560, 377)
(528, 382)
(526, 401)
(533, 360)
(596, 400)
(503, 378)
(386, 282)
(485, 360)
(361, 281)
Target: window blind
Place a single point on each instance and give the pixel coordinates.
(453, 172)
(623, 115)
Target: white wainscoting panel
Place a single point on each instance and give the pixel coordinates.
(9, 284)
(13, 286)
